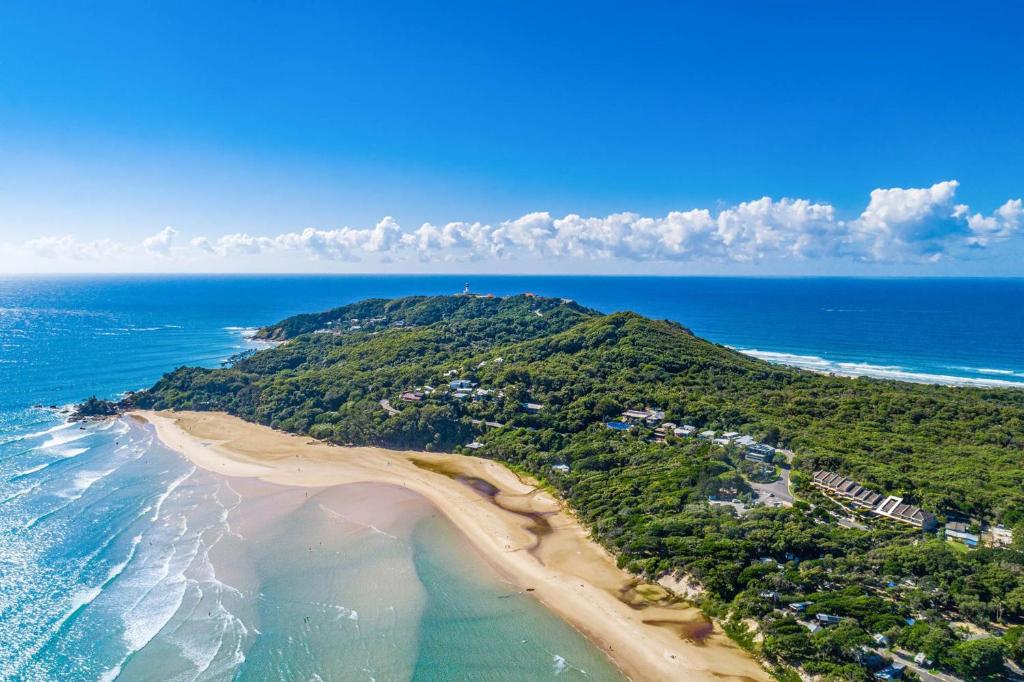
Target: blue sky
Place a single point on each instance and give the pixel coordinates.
(401, 137)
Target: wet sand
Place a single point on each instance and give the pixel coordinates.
(520, 530)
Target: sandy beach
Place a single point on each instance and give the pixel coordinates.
(520, 530)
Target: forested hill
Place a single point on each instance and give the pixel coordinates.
(946, 448)
(512, 318)
(544, 377)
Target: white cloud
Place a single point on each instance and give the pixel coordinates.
(160, 243)
(342, 244)
(747, 232)
(901, 224)
(1007, 220)
(788, 227)
(239, 243)
(67, 247)
(897, 225)
(532, 232)
(453, 241)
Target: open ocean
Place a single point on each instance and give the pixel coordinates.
(118, 557)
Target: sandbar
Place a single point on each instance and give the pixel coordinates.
(521, 530)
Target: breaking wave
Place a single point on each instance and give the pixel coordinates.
(815, 363)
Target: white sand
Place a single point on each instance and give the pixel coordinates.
(638, 626)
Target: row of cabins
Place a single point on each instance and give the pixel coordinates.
(891, 507)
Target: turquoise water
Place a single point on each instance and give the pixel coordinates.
(118, 557)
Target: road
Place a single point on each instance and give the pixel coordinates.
(925, 674)
(777, 491)
(386, 404)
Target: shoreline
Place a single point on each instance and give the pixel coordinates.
(521, 531)
(852, 369)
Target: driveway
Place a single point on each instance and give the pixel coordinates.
(767, 493)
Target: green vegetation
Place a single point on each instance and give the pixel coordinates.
(978, 659)
(948, 449)
(1013, 640)
(94, 407)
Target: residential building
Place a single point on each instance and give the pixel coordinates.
(649, 415)
(685, 430)
(655, 415)
(759, 452)
(475, 445)
(828, 619)
(961, 532)
(848, 490)
(561, 468)
(894, 508)
(412, 396)
(533, 408)
(663, 430)
(461, 384)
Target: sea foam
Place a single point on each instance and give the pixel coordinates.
(891, 372)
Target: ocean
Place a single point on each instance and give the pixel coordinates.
(119, 559)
